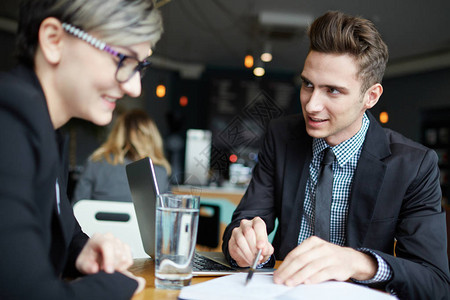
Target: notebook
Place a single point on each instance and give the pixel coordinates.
(144, 188)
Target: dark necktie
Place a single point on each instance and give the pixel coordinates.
(324, 195)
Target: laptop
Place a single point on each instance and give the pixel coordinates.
(144, 188)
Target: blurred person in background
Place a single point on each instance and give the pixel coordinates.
(133, 137)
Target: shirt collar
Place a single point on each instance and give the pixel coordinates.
(345, 150)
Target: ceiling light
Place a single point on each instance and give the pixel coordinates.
(248, 61)
(259, 69)
(266, 56)
(384, 117)
(160, 90)
(184, 101)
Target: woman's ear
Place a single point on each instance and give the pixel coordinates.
(50, 41)
(373, 94)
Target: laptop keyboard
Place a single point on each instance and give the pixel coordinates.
(202, 263)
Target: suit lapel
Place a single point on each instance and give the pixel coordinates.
(367, 182)
(298, 157)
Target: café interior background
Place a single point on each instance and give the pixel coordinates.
(200, 61)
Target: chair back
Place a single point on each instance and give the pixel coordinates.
(118, 218)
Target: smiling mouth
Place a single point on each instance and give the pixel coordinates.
(110, 100)
(317, 119)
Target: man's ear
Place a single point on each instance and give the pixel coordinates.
(50, 37)
(373, 94)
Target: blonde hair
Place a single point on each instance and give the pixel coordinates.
(134, 136)
(116, 22)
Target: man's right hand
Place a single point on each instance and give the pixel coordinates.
(247, 239)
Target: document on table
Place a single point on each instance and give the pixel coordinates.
(262, 287)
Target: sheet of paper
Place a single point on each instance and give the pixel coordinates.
(233, 287)
(335, 290)
(262, 287)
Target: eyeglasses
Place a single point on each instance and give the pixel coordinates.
(127, 65)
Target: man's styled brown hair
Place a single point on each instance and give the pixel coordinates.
(338, 33)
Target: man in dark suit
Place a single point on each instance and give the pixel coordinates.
(64, 72)
(386, 227)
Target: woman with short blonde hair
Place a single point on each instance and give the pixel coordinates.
(76, 59)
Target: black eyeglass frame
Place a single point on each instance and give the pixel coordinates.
(141, 66)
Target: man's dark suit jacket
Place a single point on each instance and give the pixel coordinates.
(38, 245)
(395, 195)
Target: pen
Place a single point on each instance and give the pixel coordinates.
(253, 267)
